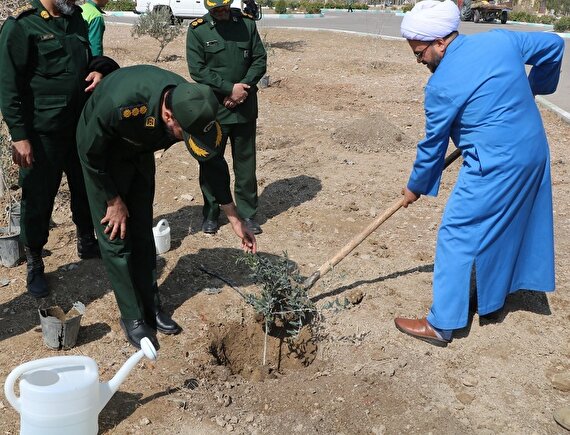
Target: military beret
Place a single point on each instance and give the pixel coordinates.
(195, 107)
(211, 4)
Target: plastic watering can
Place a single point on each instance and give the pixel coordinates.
(62, 395)
(161, 235)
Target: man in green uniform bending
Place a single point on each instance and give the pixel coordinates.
(44, 81)
(225, 52)
(134, 112)
(92, 12)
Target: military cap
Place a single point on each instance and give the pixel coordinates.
(195, 107)
(211, 4)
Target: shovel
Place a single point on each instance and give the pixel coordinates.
(359, 238)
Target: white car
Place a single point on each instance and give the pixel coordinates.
(179, 9)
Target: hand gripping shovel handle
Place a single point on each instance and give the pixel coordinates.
(359, 238)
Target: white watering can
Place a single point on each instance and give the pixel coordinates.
(161, 235)
(62, 395)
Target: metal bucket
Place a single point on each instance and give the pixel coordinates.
(59, 329)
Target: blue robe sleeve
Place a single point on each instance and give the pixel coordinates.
(430, 158)
(544, 52)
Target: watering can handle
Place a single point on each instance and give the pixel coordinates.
(29, 366)
(163, 223)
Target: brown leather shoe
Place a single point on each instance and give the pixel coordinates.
(420, 328)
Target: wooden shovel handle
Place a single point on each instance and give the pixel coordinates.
(359, 238)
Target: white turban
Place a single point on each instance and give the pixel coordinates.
(430, 20)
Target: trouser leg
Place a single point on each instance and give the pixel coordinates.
(80, 213)
(211, 208)
(127, 268)
(40, 184)
(244, 161)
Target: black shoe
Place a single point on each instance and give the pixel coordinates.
(165, 324)
(210, 226)
(87, 246)
(136, 330)
(37, 284)
(253, 226)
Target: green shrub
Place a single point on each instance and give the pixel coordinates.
(280, 7)
(120, 5)
(547, 19)
(562, 25)
(523, 17)
(407, 7)
(311, 7)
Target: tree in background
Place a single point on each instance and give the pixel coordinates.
(160, 25)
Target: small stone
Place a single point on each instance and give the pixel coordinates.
(144, 421)
(4, 282)
(465, 398)
(469, 381)
(72, 266)
(561, 381)
(187, 197)
(220, 421)
(379, 430)
(234, 420)
(2, 406)
(266, 406)
(249, 418)
(296, 67)
(229, 428)
(355, 297)
(562, 417)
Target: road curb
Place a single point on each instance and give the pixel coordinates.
(562, 114)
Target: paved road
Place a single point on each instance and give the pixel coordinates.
(388, 25)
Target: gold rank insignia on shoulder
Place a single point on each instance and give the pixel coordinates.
(19, 11)
(197, 22)
(44, 15)
(133, 111)
(150, 122)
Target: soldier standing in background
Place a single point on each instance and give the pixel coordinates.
(92, 12)
(224, 51)
(45, 77)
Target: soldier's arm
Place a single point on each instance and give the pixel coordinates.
(14, 51)
(258, 65)
(199, 71)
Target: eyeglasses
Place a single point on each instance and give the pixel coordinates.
(420, 55)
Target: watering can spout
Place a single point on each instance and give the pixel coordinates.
(107, 389)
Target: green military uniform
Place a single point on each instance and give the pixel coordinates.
(120, 128)
(220, 54)
(43, 66)
(93, 16)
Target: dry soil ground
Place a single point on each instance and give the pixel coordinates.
(337, 134)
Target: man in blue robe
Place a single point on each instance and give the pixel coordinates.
(498, 220)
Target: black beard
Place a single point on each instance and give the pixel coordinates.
(64, 7)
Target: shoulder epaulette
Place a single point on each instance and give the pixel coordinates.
(197, 22)
(22, 10)
(134, 111)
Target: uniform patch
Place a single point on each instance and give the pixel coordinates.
(133, 111)
(197, 22)
(210, 43)
(44, 15)
(25, 8)
(150, 122)
(47, 37)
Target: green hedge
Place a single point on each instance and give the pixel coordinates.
(280, 7)
(562, 25)
(120, 5)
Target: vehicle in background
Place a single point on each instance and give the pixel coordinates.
(483, 11)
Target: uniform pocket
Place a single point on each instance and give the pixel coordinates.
(51, 57)
(49, 114)
(212, 48)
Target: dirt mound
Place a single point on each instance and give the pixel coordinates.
(242, 348)
(372, 134)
